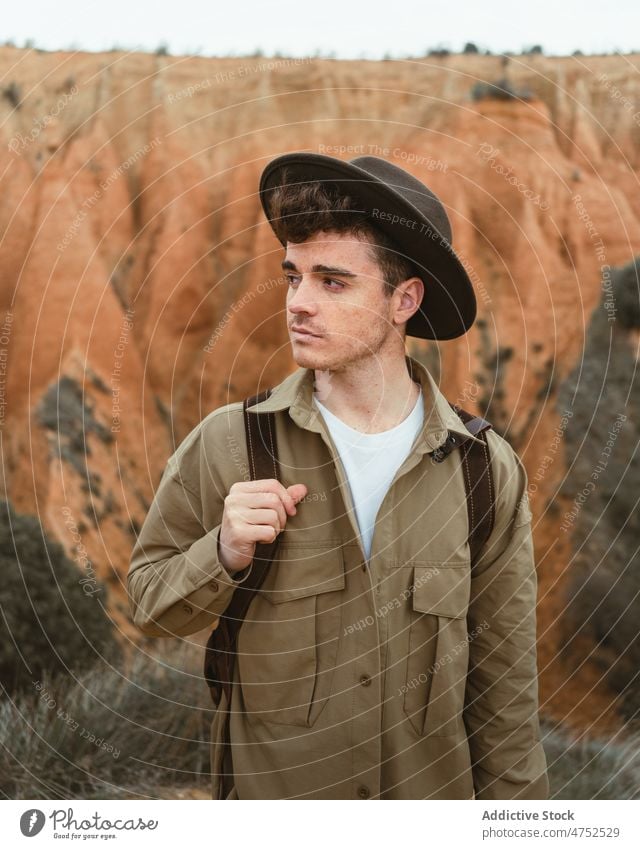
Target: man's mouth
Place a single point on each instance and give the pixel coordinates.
(301, 331)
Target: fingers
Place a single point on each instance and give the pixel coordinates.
(262, 503)
(253, 533)
(297, 491)
(288, 497)
(257, 516)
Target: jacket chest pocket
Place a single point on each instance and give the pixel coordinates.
(438, 651)
(288, 643)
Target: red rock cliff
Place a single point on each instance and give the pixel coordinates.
(140, 284)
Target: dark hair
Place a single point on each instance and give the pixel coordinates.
(299, 211)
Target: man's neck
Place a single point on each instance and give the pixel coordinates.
(373, 396)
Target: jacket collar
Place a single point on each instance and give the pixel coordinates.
(295, 393)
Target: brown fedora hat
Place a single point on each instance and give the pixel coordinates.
(410, 214)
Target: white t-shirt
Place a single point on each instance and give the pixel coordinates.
(371, 460)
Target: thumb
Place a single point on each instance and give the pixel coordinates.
(297, 491)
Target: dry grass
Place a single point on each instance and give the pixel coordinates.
(150, 726)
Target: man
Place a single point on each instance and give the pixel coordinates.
(373, 662)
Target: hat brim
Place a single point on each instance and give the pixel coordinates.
(448, 308)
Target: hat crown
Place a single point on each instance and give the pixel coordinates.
(412, 190)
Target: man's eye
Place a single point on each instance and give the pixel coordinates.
(295, 278)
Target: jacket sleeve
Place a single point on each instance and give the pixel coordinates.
(501, 696)
(176, 582)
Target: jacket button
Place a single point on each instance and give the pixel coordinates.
(214, 586)
(187, 609)
(365, 680)
(363, 792)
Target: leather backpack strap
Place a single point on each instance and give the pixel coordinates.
(478, 478)
(262, 451)
(220, 651)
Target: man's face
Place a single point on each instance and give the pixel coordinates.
(336, 292)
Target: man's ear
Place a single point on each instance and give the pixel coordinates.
(411, 293)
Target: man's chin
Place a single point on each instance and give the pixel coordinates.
(307, 359)
(310, 356)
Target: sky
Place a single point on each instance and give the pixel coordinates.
(352, 29)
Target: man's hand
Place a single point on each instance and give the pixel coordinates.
(254, 511)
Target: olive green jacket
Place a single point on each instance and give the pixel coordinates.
(400, 677)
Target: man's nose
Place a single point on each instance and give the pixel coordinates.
(301, 299)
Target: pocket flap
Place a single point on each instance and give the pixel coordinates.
(441, 590)
(300, 571)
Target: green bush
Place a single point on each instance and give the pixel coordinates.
(591, 768)
(53, 616)
(499, 90)
(13, 94)
(626, 294)
(601, 444)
